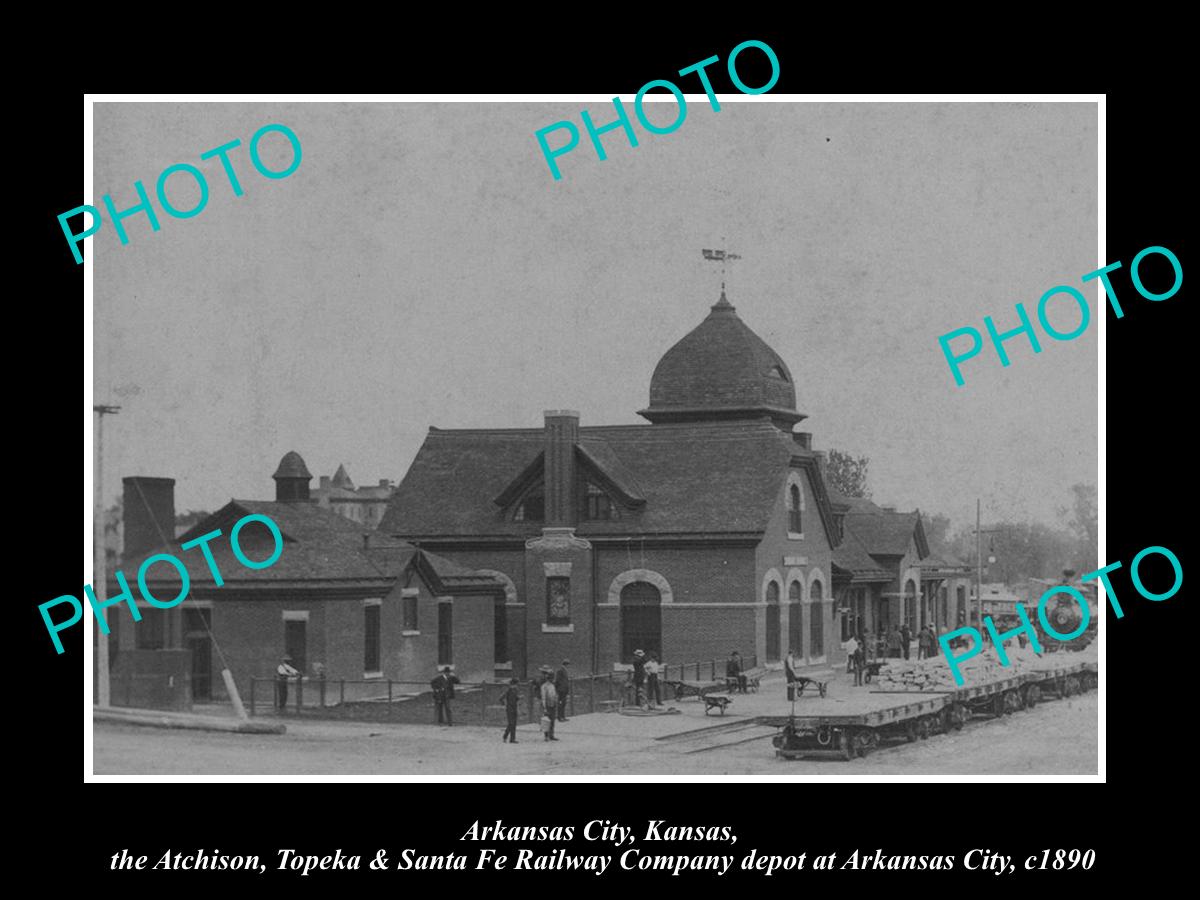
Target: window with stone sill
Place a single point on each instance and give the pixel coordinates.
(409, 607)
(558, 600)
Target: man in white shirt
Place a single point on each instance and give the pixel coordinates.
(853, 660)
(791, 665)
(549, 702)
(653, 691)
(283, 672)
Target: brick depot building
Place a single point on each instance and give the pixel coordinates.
(706, 530)
(341, 599)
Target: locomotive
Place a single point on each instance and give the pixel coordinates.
(1064, 615)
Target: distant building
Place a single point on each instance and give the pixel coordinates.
(999, 602)
(365, 505)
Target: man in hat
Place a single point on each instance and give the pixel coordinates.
(512, 697)
(639, 675)
(562, 686)
(734, 673)
(549, 697)
(443, 692)
(283, 672)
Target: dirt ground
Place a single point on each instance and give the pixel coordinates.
(1055, 738)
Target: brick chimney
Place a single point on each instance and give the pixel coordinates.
(149, 514)
(562, 433)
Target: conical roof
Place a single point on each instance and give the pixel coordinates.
(722, 370)
(341, 479)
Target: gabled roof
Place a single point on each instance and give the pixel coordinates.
(320, 549)
(852, 559)
(883, 532)
(606, 467)
(689, 478)
(945, 564)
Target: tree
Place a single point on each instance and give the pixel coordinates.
(1022, 550)
(937, 532)
(1083, 521)
(847, 474)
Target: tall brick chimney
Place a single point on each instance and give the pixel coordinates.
(562, 433)
(149, 513)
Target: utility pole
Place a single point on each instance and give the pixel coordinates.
(979, 533)
(99, 561)
(978, 563)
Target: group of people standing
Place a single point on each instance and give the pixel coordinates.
(553, 691)
(899, 642)
(644, 676)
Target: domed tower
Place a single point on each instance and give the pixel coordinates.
(722, 370)
(291, 478)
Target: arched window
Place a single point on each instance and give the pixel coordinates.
(795, 619)
(816, 634)
(795, 525)
(773, 621)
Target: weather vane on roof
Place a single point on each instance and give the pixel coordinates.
(721, 256)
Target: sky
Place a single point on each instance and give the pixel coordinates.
(421, 267)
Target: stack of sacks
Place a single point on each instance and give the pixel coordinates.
(935, 675)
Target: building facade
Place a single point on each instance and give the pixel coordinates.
(342, 600)
(364, 505)
(707, 530)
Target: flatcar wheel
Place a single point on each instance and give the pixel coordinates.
(848, 739)
(923, 728)
(864, 742)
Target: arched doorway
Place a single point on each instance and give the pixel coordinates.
(773, 622)
(795, 620)
(641, 620)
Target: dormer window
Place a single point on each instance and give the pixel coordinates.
(531, 509)
(597, 505)
(777, 372)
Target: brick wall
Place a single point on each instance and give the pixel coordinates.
(251, 636)
(816, 549)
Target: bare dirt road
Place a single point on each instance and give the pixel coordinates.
(1056, 738)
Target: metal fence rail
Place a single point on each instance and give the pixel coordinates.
(474, 703)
